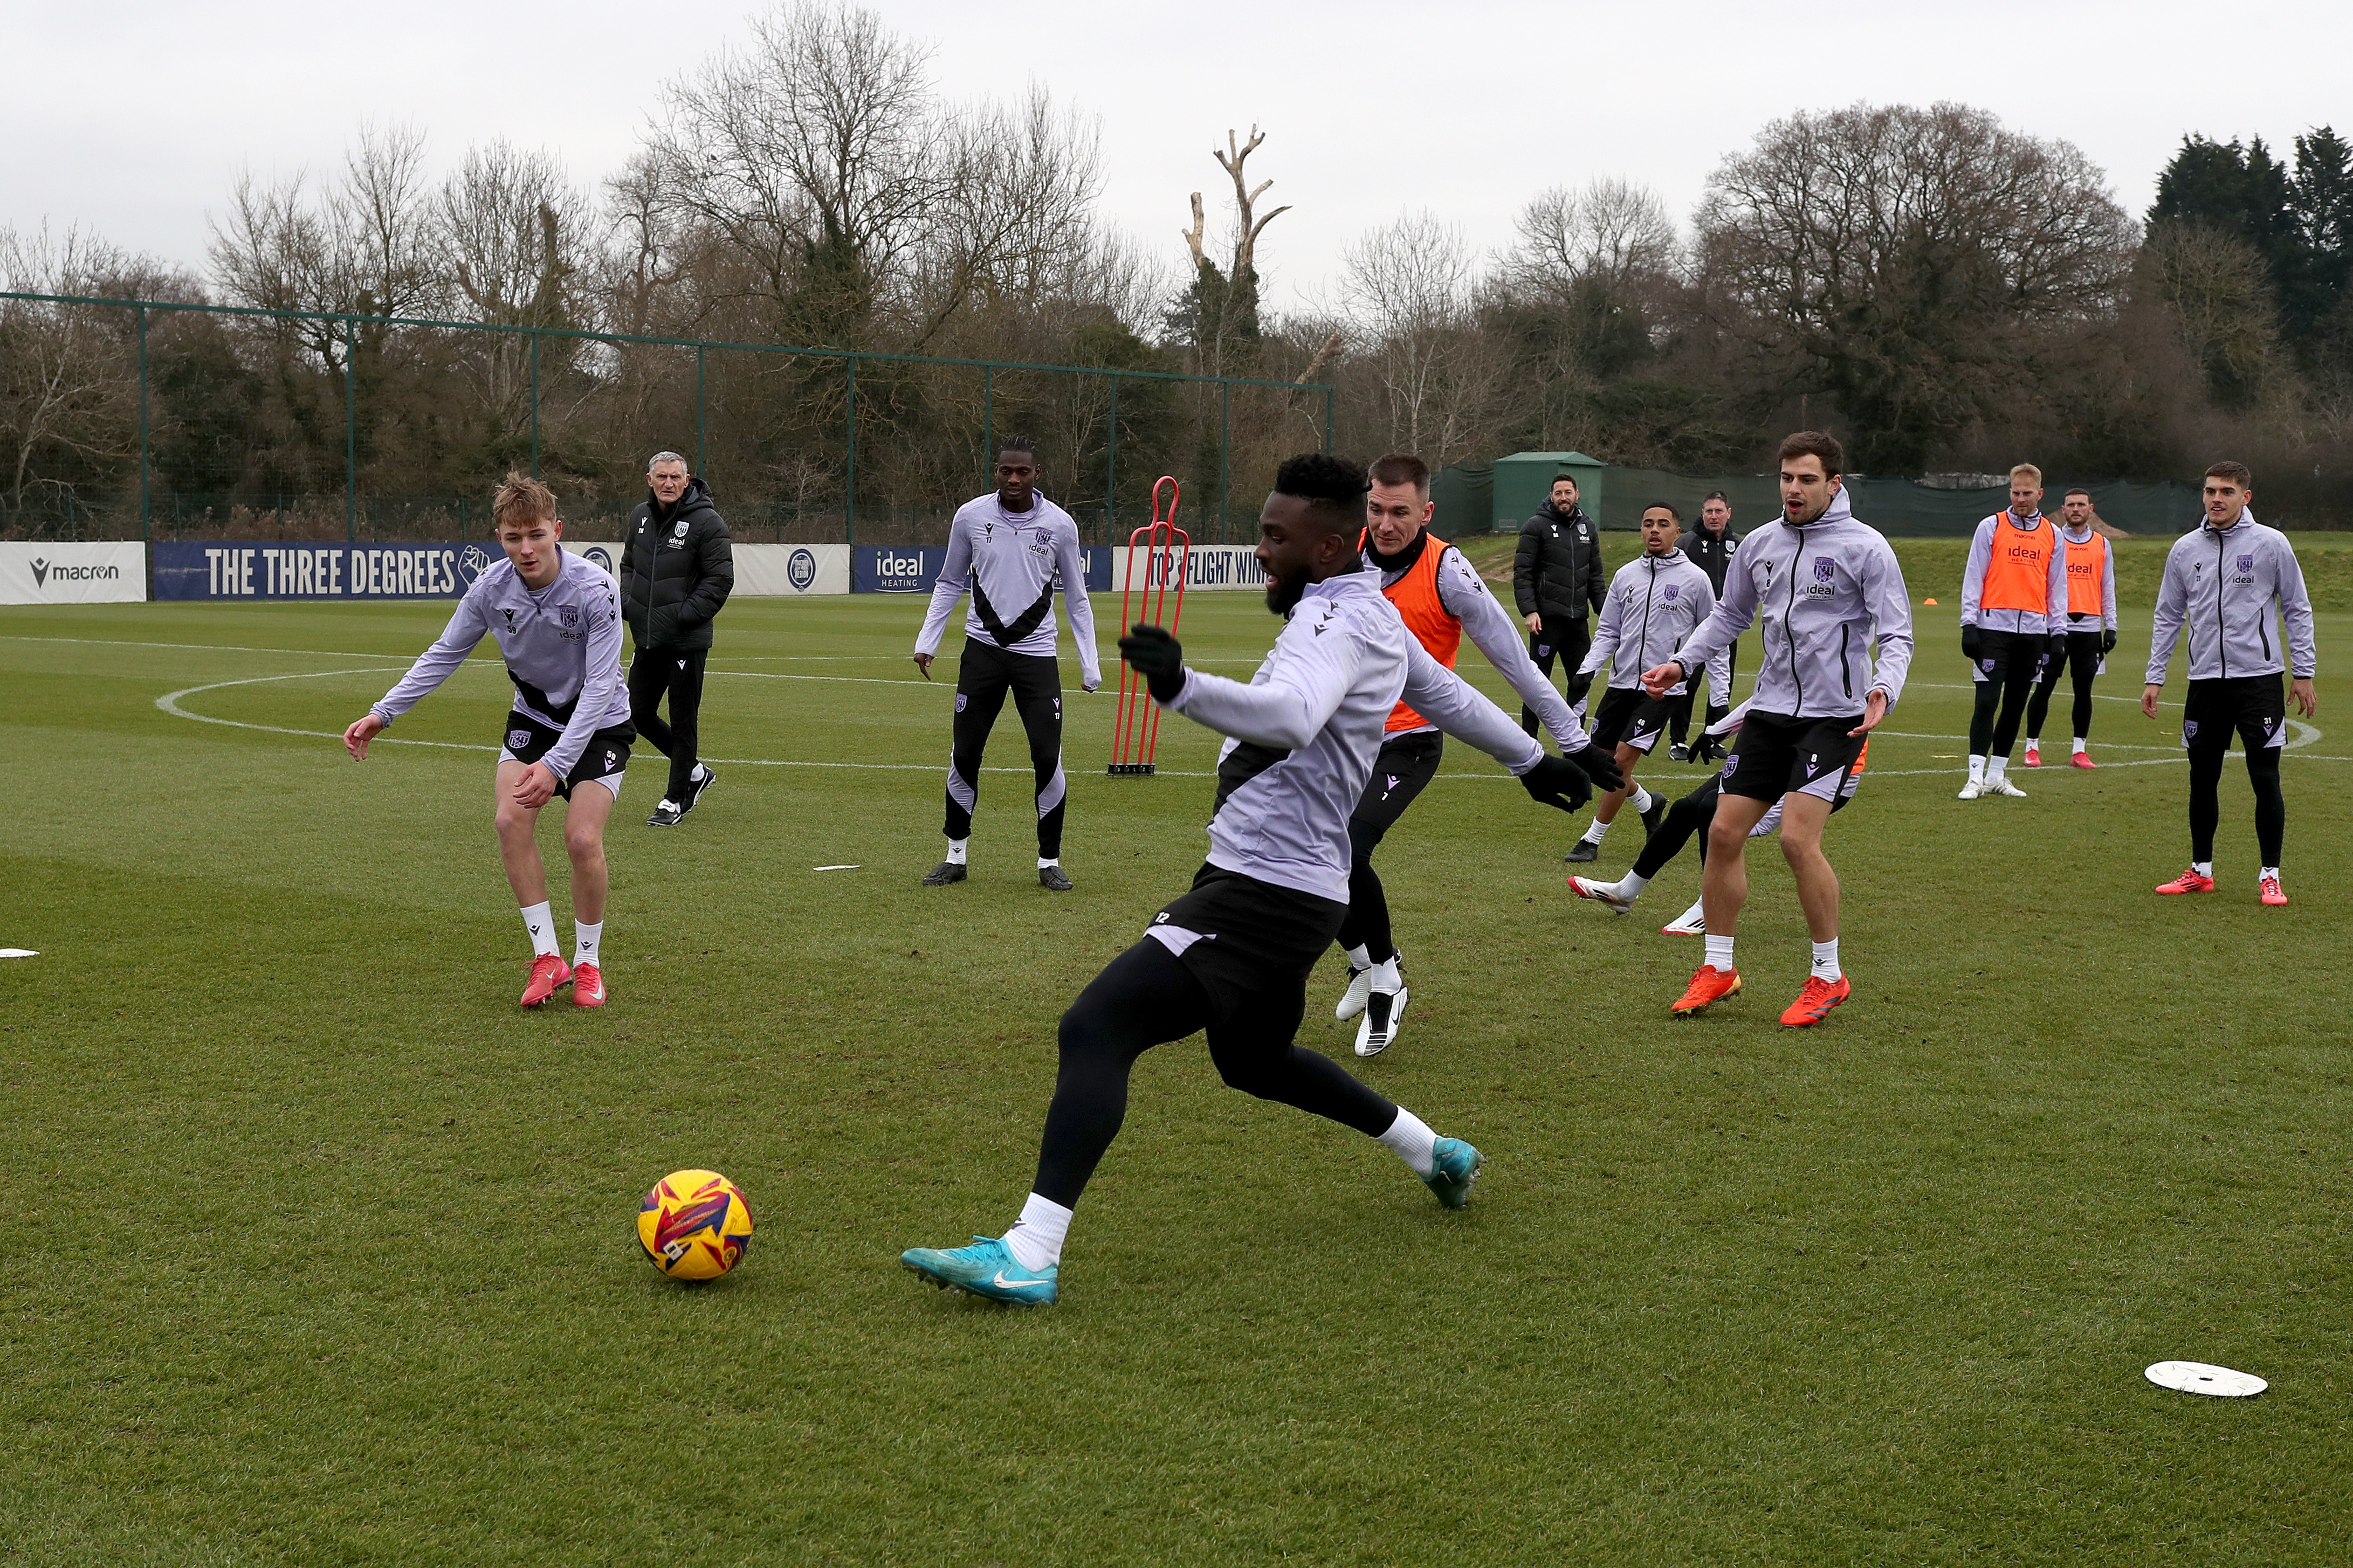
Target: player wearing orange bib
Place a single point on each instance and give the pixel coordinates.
(2090, 626)
(1441, 599)
(2013, 613)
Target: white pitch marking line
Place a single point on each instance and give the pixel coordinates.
(18, 952)
(833, 868)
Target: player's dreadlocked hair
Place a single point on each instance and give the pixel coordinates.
(1021, 443)
(1333, 486)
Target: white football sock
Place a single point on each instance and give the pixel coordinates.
(1719, 954)
(1629, 886)
(1035, 1238)
(1413, 1141)
(1642, 800)
(2033, 743)
(584, 939)
(541, 921)
(1995, 768)
(1977, 770)
(1043, 862)
(2079, 746)
(1360, 957)
(2204, 867)
(700, 773)
(1597, 831)
(1386, 976)
(1826, 963)
(956, 851)
(2273, 872)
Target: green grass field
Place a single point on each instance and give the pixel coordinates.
(325, 1252)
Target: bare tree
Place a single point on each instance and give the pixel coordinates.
(1612, 231)
(363, 247)
(1222, 307)
(513, 229)
(2215, 289)
(1911, 263)
(1410, 288)
(812, 156)
(68, 394)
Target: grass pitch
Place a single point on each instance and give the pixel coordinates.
(323, 1251)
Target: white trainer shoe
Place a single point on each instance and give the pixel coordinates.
(1693, 921)
(1972, 790)
(1602, 893)
(2003, 786)
(1352, 1000)
(1384, 1011)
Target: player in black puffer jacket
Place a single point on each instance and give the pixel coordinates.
(678, 567)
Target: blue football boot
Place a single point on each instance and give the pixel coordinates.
(1457, 1167)
(986, 1268)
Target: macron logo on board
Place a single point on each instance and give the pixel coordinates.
(43, 571)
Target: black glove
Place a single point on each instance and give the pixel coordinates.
(2108, 642)
(1707, 749)
(1578, 685)
(1972, 644)
(1152, 654)
(1558, 782)
(2055, 645)
(1598, 763)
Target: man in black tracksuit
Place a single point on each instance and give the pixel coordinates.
(1711, 543)
(678, 567)
(1556, 577)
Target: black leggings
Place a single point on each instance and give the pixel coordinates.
(1691, 814)
(1146, 997)
(1567, 640)
(677, 673)
(2083, 661)
(2206, 806)
(2017, 658)
(984, 676)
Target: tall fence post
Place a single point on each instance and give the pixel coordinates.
(1225, 440)
(1327, 421)
(350, 431)
(143, 502)
(534, 402)
(988, 426)
(1111, 468)
(849, 476)
(701, 451)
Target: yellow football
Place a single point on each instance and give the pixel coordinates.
(694, 1225)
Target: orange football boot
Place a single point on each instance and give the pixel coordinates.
(548, 971)
(1708, 984)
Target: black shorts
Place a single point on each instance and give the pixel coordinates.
(1402, 769)
(1773, 755)
(604, 759)
(2255, 706)
(1249, 943)
(1629, 716)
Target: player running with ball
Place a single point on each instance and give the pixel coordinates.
(1826, 587)
(1232, 956)
(557, 621)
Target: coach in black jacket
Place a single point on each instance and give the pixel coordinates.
(1557, 575)
(677, 568)
(1710, 544)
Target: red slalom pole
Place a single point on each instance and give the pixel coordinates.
(1166, 551)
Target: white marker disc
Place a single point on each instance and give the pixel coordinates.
(18, 952)
(2197, 1377)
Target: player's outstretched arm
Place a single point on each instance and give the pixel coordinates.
(470, 623)
(1466, 596)
(1287, 710)
(1457, 707)
(1712, 636)
(1889, 603)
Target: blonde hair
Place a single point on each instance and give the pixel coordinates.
(522, 500)
(2031, 471)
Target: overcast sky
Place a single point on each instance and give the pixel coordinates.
(136, 128)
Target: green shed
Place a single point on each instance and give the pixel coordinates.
(1524, 479)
